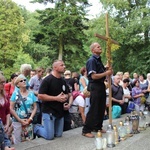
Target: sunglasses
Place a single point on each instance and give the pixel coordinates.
(24, 80)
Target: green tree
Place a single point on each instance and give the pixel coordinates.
(13, 35)
(133, 20)
(62, 31)
(22, 58)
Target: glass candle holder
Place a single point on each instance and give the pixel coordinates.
(110, 136)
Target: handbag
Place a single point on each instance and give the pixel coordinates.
(27, 131)
(131, 107)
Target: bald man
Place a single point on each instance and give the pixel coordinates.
(96, 74)
(54, 93)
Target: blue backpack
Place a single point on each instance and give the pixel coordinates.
(116, 111)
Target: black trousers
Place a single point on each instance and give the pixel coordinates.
(95, 116)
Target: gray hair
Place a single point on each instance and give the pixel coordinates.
(25, 67)
(148, 75)
(92, 45)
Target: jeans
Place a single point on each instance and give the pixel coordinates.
(4, 140)
(52, 127)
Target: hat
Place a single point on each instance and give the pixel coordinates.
(67, 72)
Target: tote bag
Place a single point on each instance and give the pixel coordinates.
(131, 107)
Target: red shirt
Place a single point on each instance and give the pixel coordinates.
(9, 89)
(4, 111)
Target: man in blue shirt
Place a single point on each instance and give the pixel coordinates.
(96, 74)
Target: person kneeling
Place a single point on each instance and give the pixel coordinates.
(77, 110)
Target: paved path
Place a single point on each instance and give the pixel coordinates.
(73, 140)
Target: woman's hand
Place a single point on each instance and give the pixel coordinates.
(24, 122)
(6, 128)
(29, 120)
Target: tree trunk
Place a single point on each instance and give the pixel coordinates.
(60, 55)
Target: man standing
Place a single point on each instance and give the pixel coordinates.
(96, 74)
(35, 83)
(54, 93)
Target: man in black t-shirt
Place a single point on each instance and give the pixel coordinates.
(54, 93)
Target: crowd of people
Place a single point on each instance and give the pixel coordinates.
(46, 102)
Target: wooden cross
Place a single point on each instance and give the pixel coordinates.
(108, 55)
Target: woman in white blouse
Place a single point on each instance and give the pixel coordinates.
(127, 94)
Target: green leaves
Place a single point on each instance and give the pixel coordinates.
(13, 35)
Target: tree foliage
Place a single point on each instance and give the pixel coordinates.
(13, 35)
(61, 29)
(132, 17)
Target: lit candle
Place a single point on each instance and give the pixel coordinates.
(110, 138)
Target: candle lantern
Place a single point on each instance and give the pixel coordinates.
(135, 122)
(110, 136)
(122, 131)
(142, 121)
(128, 126)
(116, 134)
(99, 141)
(147, 115)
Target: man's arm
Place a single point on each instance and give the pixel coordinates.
(60, 98)
(101, 75)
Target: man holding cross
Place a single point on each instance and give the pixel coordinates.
(96, 75)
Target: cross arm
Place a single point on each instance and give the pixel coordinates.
(106, 38)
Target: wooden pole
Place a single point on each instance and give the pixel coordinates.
(109, 60)
(109, 63)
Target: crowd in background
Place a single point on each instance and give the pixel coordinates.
(21, 101)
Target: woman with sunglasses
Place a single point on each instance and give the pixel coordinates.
(23, 108)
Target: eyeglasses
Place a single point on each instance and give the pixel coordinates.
(24, 80)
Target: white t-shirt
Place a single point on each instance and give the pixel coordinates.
(79, 101)
(126, 93)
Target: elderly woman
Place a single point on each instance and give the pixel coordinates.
(25, 70)
(23, 108)
(127, 93)
(137, 95)
(77, 109)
